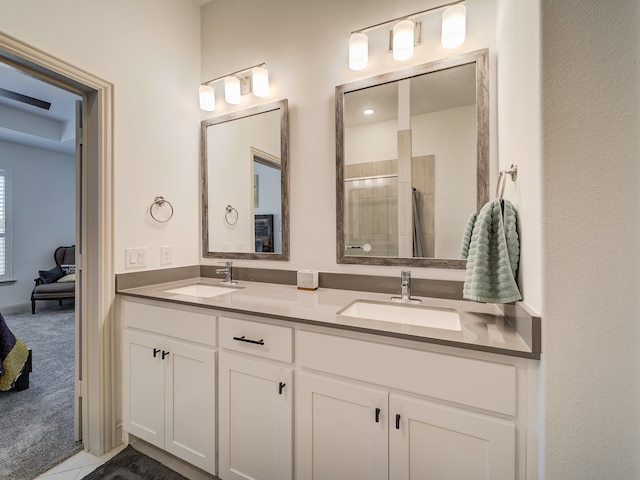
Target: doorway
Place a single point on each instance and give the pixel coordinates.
(95, 326)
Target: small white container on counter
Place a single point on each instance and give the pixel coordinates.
(307, 280)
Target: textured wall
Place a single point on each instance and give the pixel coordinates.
(591, 222)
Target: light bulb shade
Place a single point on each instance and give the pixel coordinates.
(403, 33)
(454, 26)
(260, 81)
(232, 90)
(358, 51)
(207, 98)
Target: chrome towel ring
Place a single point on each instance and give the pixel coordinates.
(160, 202)
(231, 215)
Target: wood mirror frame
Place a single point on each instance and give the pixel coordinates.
(480, 58)
(282, 107)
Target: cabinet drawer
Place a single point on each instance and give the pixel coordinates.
(255, 338)
(165, 319)
(476, 383)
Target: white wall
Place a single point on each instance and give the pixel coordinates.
(591, 257)
(43, 199)
(450, 135)
(304, 44)
(519, 127)
(150, 51)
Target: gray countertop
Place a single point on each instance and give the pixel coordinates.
(484, 327)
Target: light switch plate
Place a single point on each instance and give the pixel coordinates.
(135, 258)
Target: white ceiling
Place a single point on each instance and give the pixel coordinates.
(431, 92)
(25, 124)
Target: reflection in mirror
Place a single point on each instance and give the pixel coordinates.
(412, 162)
(244, 176)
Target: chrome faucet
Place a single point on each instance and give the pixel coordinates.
(405, 289)
(228, 273)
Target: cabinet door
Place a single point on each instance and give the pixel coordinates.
(190, 373)
(341, 430)
(434, 441)
(143, 388)
(255, 420)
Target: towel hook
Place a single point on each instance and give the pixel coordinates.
(502, 177)
(230, 213)
(160, 202)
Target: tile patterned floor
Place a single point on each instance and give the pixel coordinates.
(81, 464)
(78, 466)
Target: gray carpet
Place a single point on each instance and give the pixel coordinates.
(36, 424)
(133, 465)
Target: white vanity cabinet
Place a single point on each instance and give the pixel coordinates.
(341, 430)
(381, 411)
(427, 440)
(169, 387)
(255, 400)
(225, 392)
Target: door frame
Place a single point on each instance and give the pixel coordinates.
(100, 430)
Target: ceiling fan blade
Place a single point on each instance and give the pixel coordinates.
(25, 99)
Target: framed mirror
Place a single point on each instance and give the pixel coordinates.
(244, 171)
(412, 162)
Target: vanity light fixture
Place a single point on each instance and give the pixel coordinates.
(358, 51)
(407, 33)
(254, 79)
(260, 81)
(207, 98)
(232, 90)
(454, 26)
(403, 38)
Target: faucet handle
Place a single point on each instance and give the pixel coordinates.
(405, 274)
(227, 264)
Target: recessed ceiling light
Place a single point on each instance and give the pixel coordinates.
(368, 111)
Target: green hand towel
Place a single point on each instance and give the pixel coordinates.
(466, 237)
(493, 255)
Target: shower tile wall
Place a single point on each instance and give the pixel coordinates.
(371, 213)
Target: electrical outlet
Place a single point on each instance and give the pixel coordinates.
(166, 255)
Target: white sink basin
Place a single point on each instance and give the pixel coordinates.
(201, 290)
(412, 314)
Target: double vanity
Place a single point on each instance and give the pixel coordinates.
(261, 380)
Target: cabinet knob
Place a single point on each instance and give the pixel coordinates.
(164, 354)
(377, 415)
(397, 421)
(281, 386)
(156, 351)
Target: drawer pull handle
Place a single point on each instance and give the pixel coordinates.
(247, 340)
(156, 351)
(377, 415)
(397, 421)
(164, 354)
(281, 386)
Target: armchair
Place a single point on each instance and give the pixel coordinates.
(59, 282)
